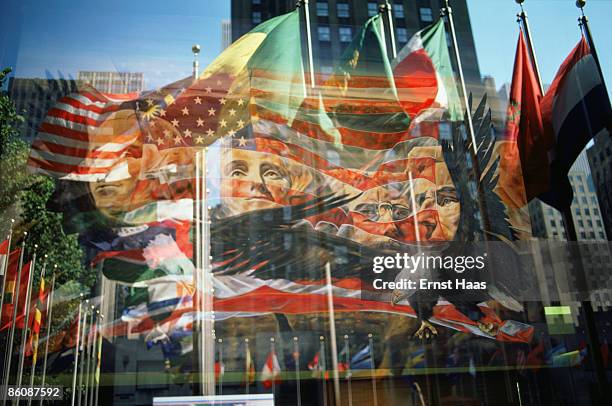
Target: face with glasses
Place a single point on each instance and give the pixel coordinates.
(423, 210)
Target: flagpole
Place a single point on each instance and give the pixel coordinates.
(296, 358)
(306, 6)
(220, 352)
(92, 327)
(373, 368)
(82, 350)
(348, 369)
(76, 350)
(332, 333)
(203, 281)
(6, 265)
(525, 23)
(323, 367)
(591, 325)
(48, 333)
(247, 365)
(449, 13)
(99, 362)
(385, 8)
(26, 308)
(35, 353)
(94, 360)
(9, 348)
(584, 23)
(273, 352)
(570, 229)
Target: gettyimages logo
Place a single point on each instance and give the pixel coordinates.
(423, 262)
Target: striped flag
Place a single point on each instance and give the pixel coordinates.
(12, 287)
(271, 371)
(575, 109)
(87, 136)
(4, 254)
(424, 75)
(34, 336)
(250, 372)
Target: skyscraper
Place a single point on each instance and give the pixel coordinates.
(226, 33)
(600, 159)
(33, 97)
(113, 82)
(335, 22)
(547, 222)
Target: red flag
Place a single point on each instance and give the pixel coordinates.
(11, 287)
(524, 126)
(270, 374)
(4, 250)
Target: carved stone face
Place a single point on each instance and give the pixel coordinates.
(426, 209)
(252, 180)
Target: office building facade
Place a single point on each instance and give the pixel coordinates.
(547, 222)
(335, 22)
(226, 33)
(113, 82)
(600, 160)
(33, 97)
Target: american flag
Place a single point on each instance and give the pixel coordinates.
(203, 112)
(86, 136)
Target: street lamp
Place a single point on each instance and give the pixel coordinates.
(196, 63)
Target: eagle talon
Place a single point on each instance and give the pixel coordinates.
(488, 328)
(426, 331)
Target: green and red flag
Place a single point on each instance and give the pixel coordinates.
(424, 75)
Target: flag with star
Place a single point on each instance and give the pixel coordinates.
(201, 114)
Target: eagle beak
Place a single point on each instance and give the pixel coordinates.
(397, 297)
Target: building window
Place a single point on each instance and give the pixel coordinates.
(346, 34)
(322, 9)
(372, 8)
(402, 35)
(343, 10)
(587, 212)
(426, 14)
(398, 10)
(593, 200)
(584, 200)
(256, 17)
(324, 33)
(577, 211)
(580, 223)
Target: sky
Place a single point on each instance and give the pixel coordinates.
(554, 29)
(60, 37)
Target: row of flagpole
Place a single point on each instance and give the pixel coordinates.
(87, 355)
(318, 367)
(87, 351)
